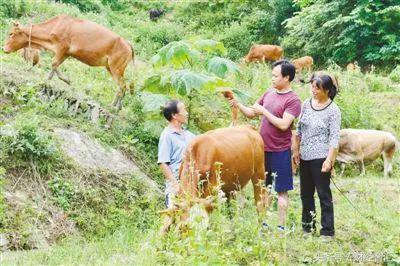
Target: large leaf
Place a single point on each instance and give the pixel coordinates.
(243, 96)
(210, 46)
(221, 66)
(177, 54)
(152, 84)
(184, 81)
(158, 83)
(153, 102)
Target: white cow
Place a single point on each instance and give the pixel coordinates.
(360, 145)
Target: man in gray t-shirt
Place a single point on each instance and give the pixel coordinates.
(173, 142)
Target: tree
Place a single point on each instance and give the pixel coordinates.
(346, 31)
(186, 68)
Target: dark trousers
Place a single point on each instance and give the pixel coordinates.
(312, 178)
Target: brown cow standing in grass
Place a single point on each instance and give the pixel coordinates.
(350, 67)
(264, 52)
(237, 152)
(84, 40)
(304, 62)
(361, 145)
(30, 55)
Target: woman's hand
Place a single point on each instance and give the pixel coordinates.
(326, 166)
(296, 157)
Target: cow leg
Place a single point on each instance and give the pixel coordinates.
(361, 167)
(58, 59)
(34, 63)
(117, 102)
(51, 74)
(387, 161)
(118, 76)
(63, 78)
(342, 167)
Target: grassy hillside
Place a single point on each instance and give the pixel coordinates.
(115, 222)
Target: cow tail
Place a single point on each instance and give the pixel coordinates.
(132, 83)
(133, 53)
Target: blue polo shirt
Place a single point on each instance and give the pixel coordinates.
(171, 147)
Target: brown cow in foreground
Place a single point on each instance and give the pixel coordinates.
(30, 55)
(238, 152)
(84, 40)
(304, 62)
(264, 52)
(359, 145)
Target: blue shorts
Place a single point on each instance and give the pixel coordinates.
(279, 168)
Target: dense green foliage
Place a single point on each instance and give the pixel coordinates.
(340, 31)
(345, 31)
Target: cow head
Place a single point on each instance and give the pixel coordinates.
(245, 59)
(16, 40)
(188, 214)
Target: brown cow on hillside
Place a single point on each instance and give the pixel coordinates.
(238, 152)
(30, 55)
(359, 145)
(350, 67)
(84, 40)
(264, 52)
(304, 62)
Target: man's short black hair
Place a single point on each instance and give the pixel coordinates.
(287, 68)
(170, 108)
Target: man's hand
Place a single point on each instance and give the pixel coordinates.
(233, 102)
(258, 109)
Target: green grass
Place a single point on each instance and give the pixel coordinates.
(370, 237)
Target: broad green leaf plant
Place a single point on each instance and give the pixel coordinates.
(186, 68)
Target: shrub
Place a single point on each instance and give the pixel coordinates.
(237, 40)
(85, 5)
(63, 192)
(395, 74)
(26, 141)
(13, 9)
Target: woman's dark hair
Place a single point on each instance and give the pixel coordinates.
(287, 68)
(325, 82)
(170, 108)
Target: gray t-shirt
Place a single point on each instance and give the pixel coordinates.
(318, 130)
(171, 146)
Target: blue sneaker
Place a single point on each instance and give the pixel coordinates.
(265, 226)
(281, 228)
